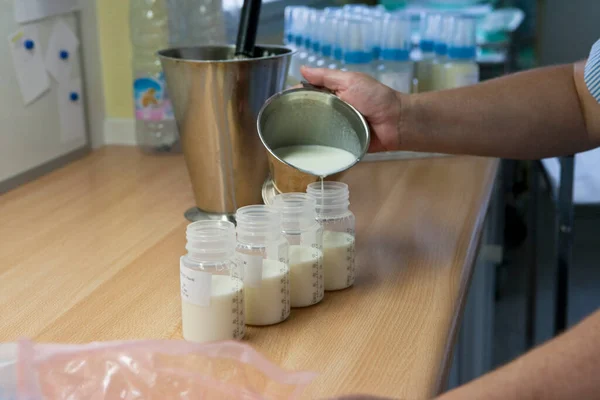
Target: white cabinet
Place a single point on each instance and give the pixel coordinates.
(30, 136)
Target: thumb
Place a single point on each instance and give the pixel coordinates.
(331, 79)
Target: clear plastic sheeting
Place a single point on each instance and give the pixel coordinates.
(144, 370)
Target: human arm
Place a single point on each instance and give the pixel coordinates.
(534, 114)
(563, 369)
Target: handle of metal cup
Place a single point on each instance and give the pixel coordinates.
(307, 85)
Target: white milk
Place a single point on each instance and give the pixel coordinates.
(266, 300)
(338, 260)
(317, 160)
(306, 286)
(220, 320)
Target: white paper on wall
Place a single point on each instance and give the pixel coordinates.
(26, 53)
(70, 108)
(31, 10)
(61, 53)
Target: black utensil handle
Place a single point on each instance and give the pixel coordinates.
(248, 26)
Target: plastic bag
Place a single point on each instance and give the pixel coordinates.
(150, 370)
(8, 371)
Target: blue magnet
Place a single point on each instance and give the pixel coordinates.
(29, 44)
(63, 54)
(74, 96)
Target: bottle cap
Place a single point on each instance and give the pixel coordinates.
(339, 30)
(316, 26)
(356, 41)
(447, 27)
(299, 17)
(310, 18)
(396, 43)
(328, 26)
(463, 41)
(430, 28)
(377, 16)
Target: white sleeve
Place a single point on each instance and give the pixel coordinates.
(592, 71)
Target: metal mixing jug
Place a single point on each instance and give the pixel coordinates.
(216, 100)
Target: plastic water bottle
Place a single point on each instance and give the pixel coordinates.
(461, 69)
(430, 27)
(396, 68)
(357, 46)
(155, 126)
(196, 22)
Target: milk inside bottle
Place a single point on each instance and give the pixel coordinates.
(396, 68)
(212, 291)
(338, 222)
(305, 236)
(262, 253)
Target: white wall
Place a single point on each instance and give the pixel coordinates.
(92, 69)
(30, 138)
(29, 135)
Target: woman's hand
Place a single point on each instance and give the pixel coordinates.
(378, 103)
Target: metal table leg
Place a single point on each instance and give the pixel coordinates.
(565, 241)
(531, 299)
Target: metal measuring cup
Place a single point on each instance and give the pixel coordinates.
(309, 116)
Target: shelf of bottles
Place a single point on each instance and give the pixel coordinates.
(382, 44)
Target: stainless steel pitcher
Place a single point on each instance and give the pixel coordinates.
(308, 116)
(216, 100)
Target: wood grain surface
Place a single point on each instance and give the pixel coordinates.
(91, 252)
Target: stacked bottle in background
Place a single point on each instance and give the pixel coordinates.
(369, 40)
(357, 46)
(430, 26)
(156, 25)
(460, 68)
(441, 52)
(297, 26)
(396, 68)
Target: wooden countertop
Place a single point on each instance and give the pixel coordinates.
(91, 252)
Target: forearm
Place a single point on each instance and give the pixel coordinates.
(532, 114)
(565, 368)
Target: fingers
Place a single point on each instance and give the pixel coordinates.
(329, 78)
